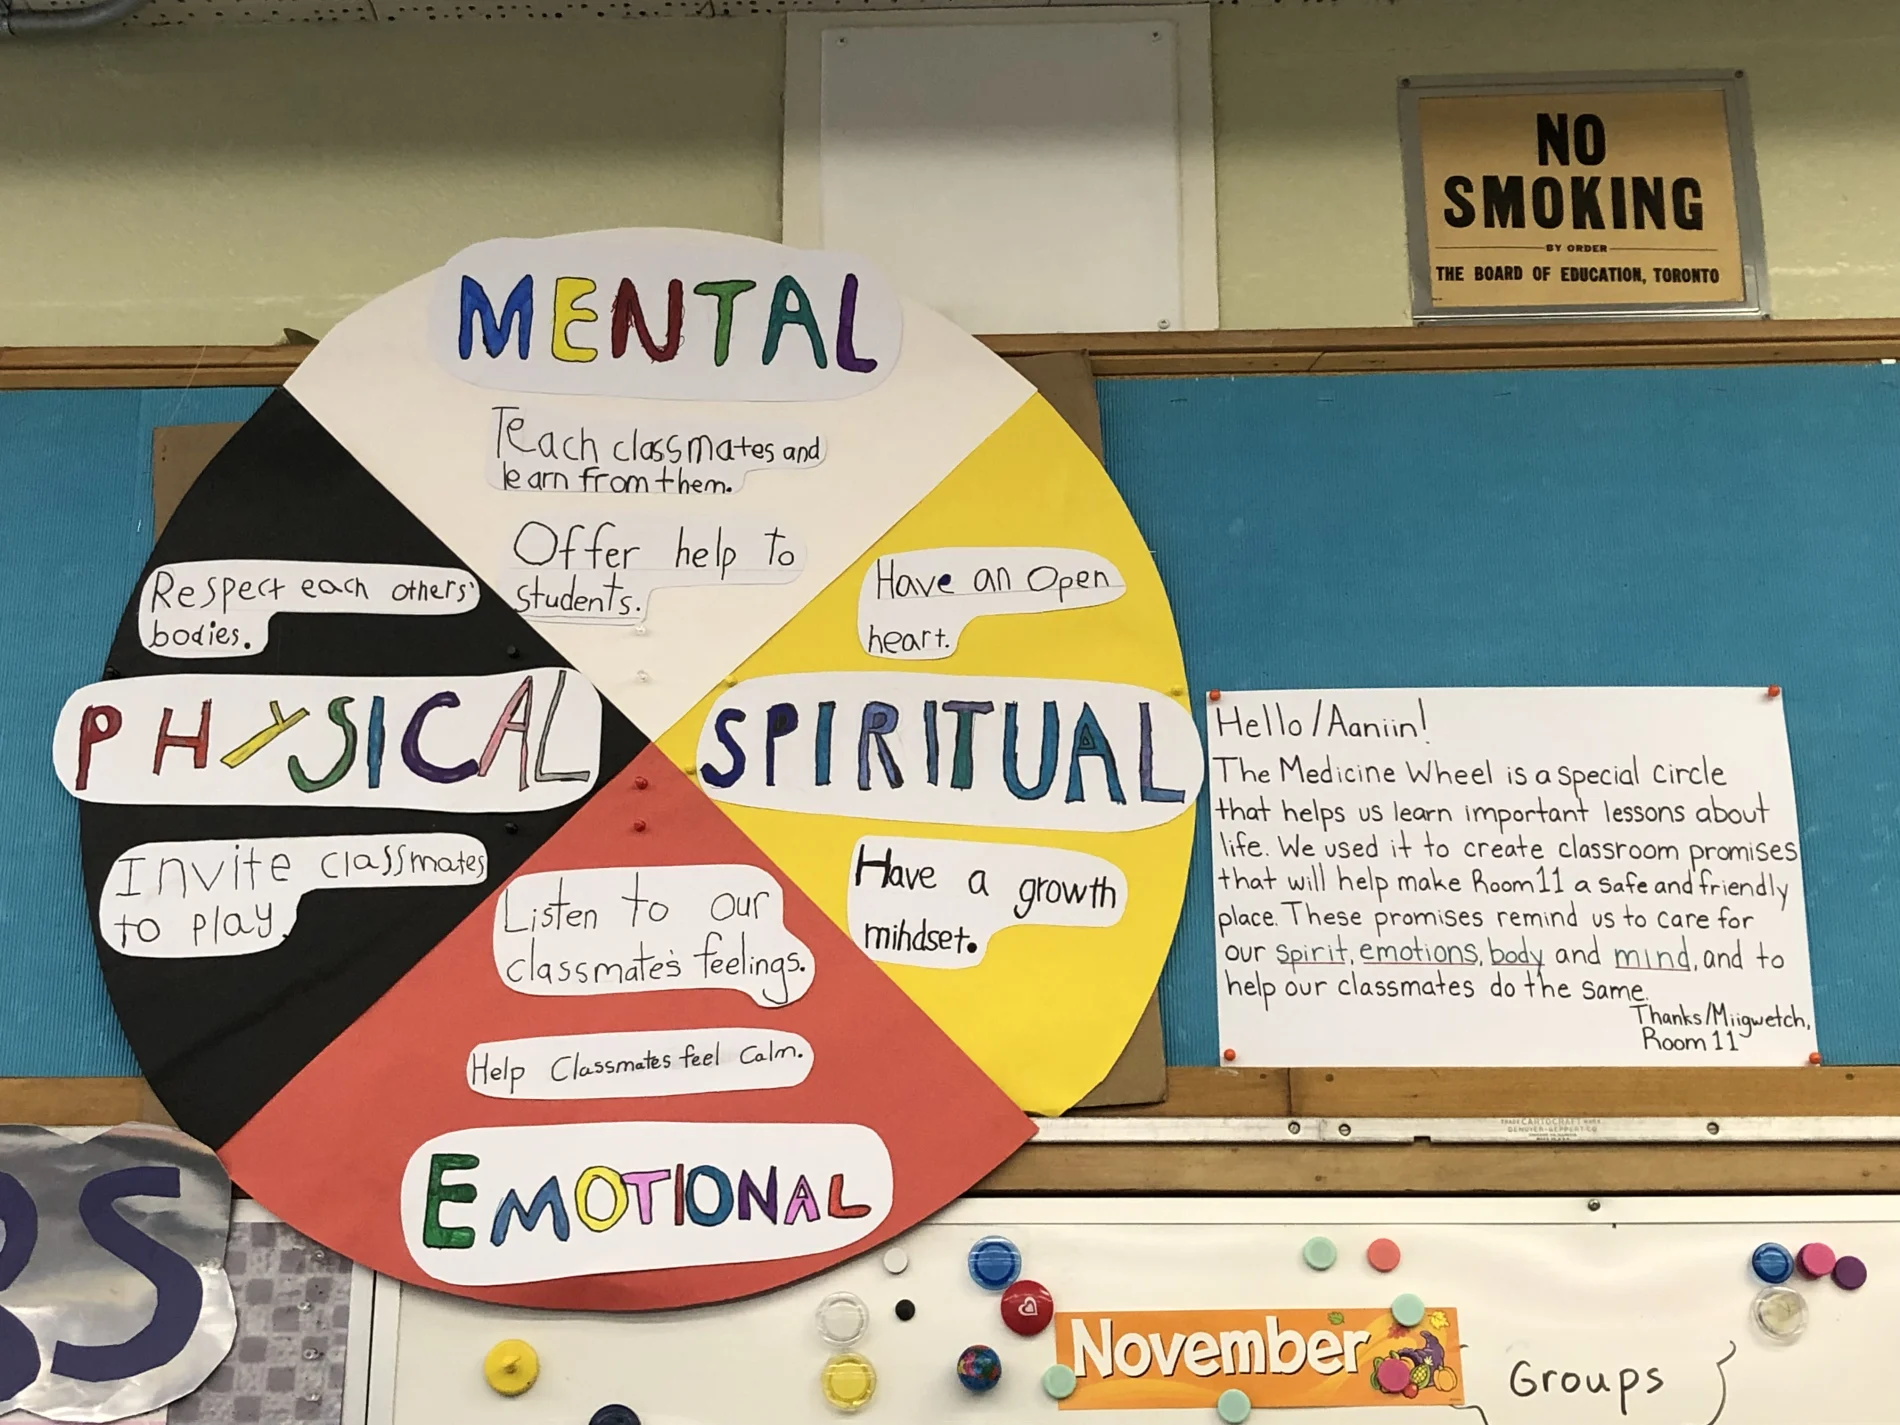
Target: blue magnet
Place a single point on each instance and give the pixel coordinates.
(995, 1263)
(1773, 1263)
(979, 1368)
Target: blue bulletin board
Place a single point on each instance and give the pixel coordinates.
(1564, 528)
(1727, 526)
(75, 529)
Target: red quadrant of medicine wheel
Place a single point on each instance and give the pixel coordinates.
(327, 1153)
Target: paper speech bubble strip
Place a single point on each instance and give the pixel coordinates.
(490, 1206)
(664, 315)
(612, 930)
(601, 570)
(919, 901)
(221, 608)
(542, 447)
(525, 741)
(187, 900)
(964, 749)
(915, 604)
(654, 1063)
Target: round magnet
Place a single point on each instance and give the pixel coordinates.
(1773, 1263)
(1782, 1313)
(1407, 1310)
(847, 1382)
(896, 1261)
(1233, 1406)
(1394, 1374)
(1319, 1253)
(842, 1317)
(510, 1367)
(1383, 1254)
(994, 1263)
(979, 1368)
(1815, 1260)
(613, 1415)
(906, 1309)
(1028, 1308)
(1058, 1382)
(1850, 1273)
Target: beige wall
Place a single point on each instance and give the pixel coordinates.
(218, 183)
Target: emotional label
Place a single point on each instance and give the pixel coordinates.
(694, 317)
(970, 751)
(222, 608)
(610, 930)
(916, 604)
(937, 903)
(490, 1206)
(650, 1064)
(190, 899)
(605, 570)
(539, 447)
(522, 741)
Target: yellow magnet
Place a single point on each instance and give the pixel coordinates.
(510, 1367)
(848, 1382)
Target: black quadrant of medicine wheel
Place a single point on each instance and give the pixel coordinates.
(218, 1037)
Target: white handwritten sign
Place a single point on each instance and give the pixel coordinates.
(486, 1206)
(668, 315)
(192, 899)
(605, 570)
(540, 448)
(917, 603)
(221, 608)
(496, 742)
(609, 930)
(918, 901)
(967, 750)
(649, 1064)
(1504, 876)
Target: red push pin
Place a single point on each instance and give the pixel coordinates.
(1213, 695)
(639, 826)
(1815, 1057)
(1228, 1055)
(1774, 690)
(639, 784)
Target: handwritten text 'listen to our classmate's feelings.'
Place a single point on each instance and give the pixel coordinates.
(1531, 875)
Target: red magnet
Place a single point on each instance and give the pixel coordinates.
(1383, 1254)
(1028, 1308)
(1815, 1260)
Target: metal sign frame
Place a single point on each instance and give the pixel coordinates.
(1741, 143)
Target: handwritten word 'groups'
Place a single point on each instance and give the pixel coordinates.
(221, 608)
(915, 901)
(188, 899)
(603, 571)
(535, 449)
(503, 742)
(650, 1064)
(489, 1206)
(687, 317)
(916, 604)
(935, 748)
(607, 930)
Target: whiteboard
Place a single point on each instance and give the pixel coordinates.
(1560, 1285)
(1038, 171)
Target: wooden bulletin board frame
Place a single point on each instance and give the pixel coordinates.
(1292, 1164)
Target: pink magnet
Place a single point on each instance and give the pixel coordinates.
(1383, 1254)
(1395, 1373)
(1815, 1260)
(1850, 1273)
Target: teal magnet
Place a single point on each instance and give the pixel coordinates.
(1233, 1406)
(1407, 1310)
(1058, 1382)
(1319, 1253)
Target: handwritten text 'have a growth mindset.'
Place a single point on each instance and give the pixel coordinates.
(702, 316)
(1508, 876)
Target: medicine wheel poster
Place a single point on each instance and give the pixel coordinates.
(623, 779)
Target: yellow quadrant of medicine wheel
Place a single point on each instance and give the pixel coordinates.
(1049, 1008)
